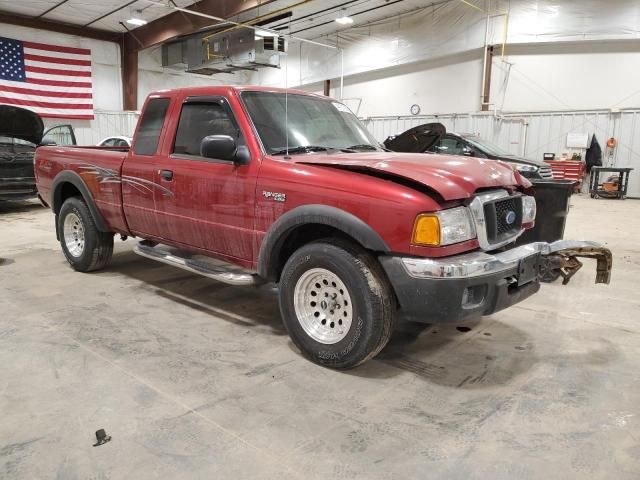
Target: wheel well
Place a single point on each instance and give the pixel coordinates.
(302, 235)
(66, 190)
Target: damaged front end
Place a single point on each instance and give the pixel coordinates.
(560, 259)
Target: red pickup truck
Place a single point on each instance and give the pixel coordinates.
(248, 185)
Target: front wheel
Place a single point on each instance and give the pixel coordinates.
(85, 247)
(336, 303)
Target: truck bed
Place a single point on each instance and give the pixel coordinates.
(99, 167)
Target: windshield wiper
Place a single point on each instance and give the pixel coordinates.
(364, 146)
(310, 148)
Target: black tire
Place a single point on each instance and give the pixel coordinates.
(373, 303)
(98, 246)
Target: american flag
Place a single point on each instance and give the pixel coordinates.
(52, 81)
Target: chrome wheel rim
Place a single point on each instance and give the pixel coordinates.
(74, 234)
(323, 306)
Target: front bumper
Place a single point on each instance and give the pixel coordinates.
(470, 285)
(19, 188)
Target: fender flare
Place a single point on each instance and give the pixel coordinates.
(76, 180)
(313, 214)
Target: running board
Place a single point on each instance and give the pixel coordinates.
(200, 264)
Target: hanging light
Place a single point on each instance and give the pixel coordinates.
(344, 20)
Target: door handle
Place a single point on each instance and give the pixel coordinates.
(166, 174)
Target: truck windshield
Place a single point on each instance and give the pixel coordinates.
(312, 122)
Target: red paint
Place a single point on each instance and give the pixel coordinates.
(218, 208)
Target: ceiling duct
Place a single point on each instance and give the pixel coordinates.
(240, 49)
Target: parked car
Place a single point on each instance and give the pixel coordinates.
(224, 182)
(433, 138)
(21, 132)
(115, 142)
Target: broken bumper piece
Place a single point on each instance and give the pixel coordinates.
(561, 255)
(467, 286)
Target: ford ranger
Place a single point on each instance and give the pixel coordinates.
(247, 185)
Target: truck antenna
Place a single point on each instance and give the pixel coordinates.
(286, 97)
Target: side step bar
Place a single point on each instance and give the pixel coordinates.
(200, 264)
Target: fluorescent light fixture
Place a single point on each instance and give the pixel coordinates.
(344, 20)
(138, 22)
(264, 33)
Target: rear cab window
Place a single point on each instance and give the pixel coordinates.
(151, 126)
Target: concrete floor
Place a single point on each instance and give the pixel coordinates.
(195, 379)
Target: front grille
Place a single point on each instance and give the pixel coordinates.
(503, 219)
(546, 173)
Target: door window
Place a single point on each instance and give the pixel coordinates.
(151, 126)
(201, 119)
(451, 146)
(109, 143)
(59, 135)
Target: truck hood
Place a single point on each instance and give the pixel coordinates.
(453, 178)
(20, 123)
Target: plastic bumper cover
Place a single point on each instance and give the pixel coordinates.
(470, 285)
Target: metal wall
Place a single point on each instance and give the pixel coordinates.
(533, 134)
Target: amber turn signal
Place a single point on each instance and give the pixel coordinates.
(426, 230)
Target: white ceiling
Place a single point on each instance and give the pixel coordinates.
(313, 19)
(81, 12)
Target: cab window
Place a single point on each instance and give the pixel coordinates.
(199, 119)
(151, 126)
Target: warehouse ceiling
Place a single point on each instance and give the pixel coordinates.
(308, 19)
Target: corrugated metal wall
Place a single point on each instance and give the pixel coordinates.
(533, 134)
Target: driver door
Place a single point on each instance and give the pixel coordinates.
(59, 135)
(212, 201)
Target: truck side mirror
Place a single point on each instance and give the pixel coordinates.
(220, 147)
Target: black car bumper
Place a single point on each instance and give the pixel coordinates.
(468, 286)
(21, 188)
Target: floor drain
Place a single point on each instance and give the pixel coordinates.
(463, 329)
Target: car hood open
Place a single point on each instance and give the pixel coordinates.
(453, 178)
(417, 139)
(20, 123)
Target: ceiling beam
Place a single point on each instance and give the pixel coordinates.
(177, 24)
(51, 26)
(50, 9)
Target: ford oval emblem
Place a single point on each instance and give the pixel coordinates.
(510, 217)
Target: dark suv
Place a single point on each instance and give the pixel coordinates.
(433, 138)
(21, 132)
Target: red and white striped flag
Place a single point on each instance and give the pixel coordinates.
(52, 81)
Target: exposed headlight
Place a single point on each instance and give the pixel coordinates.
(528, 209)
(527, 168)
(444, 228)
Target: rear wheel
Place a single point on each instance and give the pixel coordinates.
(336, 303)
(84, 246)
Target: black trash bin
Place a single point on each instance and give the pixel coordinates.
(552, 201)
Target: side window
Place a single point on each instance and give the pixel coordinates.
(451, 146)
(108, 143)
(151, 126)
(198, 120)
(121, 143)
